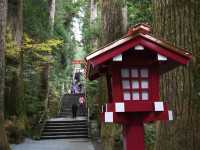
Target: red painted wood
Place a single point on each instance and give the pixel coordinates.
(116, 84)
(176, 57)
(134, 135)
(145, 117)
(109, 88)
(136, 106)
(154, 83)
(165, 52)
(116, 51)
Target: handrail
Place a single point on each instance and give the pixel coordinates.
(41, 122)
(88, 120)
(60, 104)
(42, 117)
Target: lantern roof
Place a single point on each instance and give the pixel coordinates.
(139, 35)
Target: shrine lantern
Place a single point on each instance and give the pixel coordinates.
(133, 66)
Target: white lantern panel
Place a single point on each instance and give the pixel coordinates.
(134, 73)
(135, 84)
(125, 84)
(125, 73)
(127, 96)
(145, 84)
(145, 95)
(144, 73)
(136, 95)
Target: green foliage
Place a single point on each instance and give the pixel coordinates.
(35, 18)
(41, 50)
(12, 49)
(139, 11)
(112, 137)
(17, 128)
(150, 136)
(92, 90)
(91, 31)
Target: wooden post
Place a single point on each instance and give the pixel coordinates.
(134, 136)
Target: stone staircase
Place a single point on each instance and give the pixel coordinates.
(64, 126)
(66, 105)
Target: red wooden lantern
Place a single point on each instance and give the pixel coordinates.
(132, 66)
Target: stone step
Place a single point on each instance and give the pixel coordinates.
(64, 130)
(65, 127)
(63, 120)
(63, 137)
(64, 133)
(65, 113)
(66, 109)
(66, 124)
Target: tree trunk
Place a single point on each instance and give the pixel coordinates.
(51, 12)
(46, 66)
(45, 85)
(113, 20)
(15, 25)
(178, 22)
(3, 15)
(113, 26)
(15, 20)
(93, 11)
(93, 22)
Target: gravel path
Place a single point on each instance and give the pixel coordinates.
(63, 144)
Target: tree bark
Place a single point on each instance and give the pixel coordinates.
(113, 20)
(45, 85)
(93, 11)
(178, 22)
(93, 22)
(15, 20)
(3, 15)
(51, 12)
(46, 65)
(113, 26)
(15, 25)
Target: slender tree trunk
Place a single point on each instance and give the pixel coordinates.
(3, 15)
(45, 85)
(51, 12)
(178, 22)
(93, 11)
(46, 66)
(93, 22)
(114, 25)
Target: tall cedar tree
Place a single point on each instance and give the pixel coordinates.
(15, 96)
(179, 22)
(113, 26)
(3, 15)
(46, 66)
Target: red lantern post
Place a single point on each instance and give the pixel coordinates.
(132, 66)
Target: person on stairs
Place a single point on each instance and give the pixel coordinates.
(74, 110)
(82, 105)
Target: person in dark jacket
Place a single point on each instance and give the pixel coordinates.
(74, 110)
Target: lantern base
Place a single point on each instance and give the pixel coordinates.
(134, 136)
